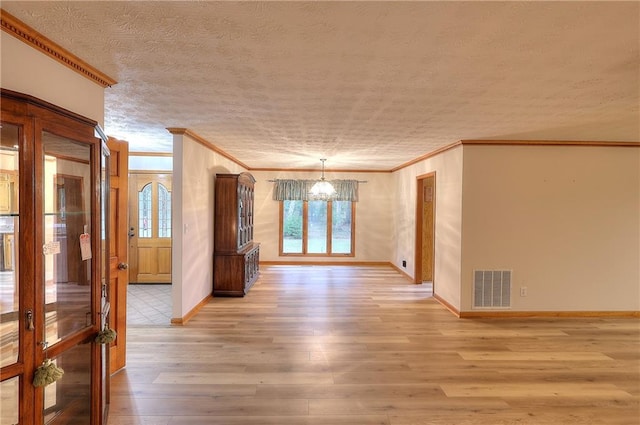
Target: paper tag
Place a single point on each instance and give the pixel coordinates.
(51, 248)
(85, 246)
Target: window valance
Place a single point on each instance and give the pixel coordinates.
(298, 190)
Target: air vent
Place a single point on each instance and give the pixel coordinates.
(492, 289)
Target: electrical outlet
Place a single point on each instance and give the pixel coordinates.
(404, 263)
(523, 291)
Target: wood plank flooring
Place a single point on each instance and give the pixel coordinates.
(345, 345)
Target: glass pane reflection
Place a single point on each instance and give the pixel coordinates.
(9, 400)
(317, 227)
(9, 237)
(68, 400)
(67, 268)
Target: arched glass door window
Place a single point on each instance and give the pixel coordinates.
(164, 212)
(145, 218)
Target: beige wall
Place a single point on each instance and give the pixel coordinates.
(564, 219)
(448, 220)
(195, 167)
(24, 69)
(373, 216)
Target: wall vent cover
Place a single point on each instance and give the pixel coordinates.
(492, 289)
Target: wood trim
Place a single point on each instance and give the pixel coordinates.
(527, 314)
(28, 35)
(152, 172)
(71, 159)
(427, 156)
(327, 170)
(516, 143)
(184, 319)
(162, 154)
(550, 143)
(170, 172)
(280, 227)
(417, 260)
(402, 272)
(204, 142)
(32, 101)
(327, 263)
(446, 305)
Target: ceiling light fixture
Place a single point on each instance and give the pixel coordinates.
(322, 189)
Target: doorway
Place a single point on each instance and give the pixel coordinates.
(425, 229)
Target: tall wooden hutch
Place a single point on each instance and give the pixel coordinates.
(236, 256)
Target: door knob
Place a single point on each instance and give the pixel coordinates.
(123, 266)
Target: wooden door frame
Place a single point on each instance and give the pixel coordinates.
(417, 275)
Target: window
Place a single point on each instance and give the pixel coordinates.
(317, 228)
(154, 206)
(164, 212)
(144, 212)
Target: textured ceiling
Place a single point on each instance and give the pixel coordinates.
(367, 85)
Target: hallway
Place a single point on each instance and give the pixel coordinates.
(148, 304)
(361, 345)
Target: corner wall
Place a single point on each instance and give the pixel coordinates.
(195, 167)
(448, 220)
(25, 70)
(565, 219)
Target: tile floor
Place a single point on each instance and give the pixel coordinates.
(149, 304)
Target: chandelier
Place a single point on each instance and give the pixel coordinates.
(322, 189)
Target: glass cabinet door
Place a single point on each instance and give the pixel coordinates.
(66, 193)
(50, 207)
(11, 340)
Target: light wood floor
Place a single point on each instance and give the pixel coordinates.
(362, 345)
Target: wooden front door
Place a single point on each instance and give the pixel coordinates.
(118, 249)
(150, 228)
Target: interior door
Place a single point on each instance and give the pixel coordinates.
(118, 249)
(150, 228)
(425, 228)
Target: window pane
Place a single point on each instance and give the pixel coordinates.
(9, 238)
(164, 212)
(341, 227)
(9, 401)
(144, 212)
(68, 400)
(292, 227)
(317, 227)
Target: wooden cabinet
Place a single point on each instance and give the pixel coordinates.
(236, 256)
(53, 194)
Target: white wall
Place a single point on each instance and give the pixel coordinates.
(373, 216)
(150, 163)
(566, 220)
(448, 220)
(195, 167)
(24, 69)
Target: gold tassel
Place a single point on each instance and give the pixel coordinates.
(106, 336)
(46, 374)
